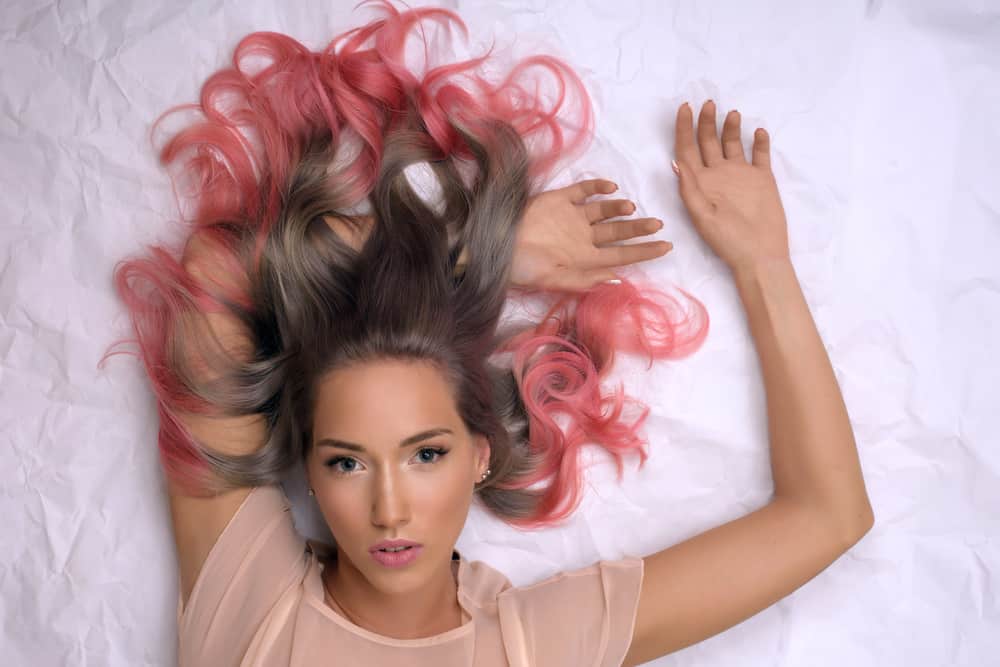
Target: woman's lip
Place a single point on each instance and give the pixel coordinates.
(392, 544)
(397, 559)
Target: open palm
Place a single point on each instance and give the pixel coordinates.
(734, 204)
(565, 242)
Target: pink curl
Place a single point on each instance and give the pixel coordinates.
(158, 292)
(559, 365)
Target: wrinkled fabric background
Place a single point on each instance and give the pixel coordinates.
(883, 118)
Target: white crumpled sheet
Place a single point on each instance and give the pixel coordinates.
(883, 117)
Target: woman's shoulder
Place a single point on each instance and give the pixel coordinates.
(484, 583)
(480, 582)
(258, 549)
(595, 604)
(258, 560)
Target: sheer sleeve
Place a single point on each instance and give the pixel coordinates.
(581, 617)
(257, 559)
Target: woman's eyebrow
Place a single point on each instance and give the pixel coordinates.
(412, 440)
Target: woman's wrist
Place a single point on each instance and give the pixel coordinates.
(762, 271)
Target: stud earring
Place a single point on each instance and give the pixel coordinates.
(485, 475)
(311, 492)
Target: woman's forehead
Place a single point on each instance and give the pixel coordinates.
(384, 398)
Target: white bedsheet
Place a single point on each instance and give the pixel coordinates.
(884, 121)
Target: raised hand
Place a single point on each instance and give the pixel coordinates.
(564, 242)
(734, 205)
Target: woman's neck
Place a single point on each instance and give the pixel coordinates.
(412, 616)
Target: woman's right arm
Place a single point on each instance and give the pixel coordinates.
(693, 590)
(199, 521)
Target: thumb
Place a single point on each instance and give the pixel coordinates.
(699, 207)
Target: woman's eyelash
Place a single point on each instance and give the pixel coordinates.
(332, 463)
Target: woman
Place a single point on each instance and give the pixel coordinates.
(365, 346)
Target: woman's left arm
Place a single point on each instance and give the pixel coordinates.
(564, 242)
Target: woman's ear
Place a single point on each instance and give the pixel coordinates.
(483, 452)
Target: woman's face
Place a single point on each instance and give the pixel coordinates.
(419, 491)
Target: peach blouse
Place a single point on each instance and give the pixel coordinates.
(259, 601)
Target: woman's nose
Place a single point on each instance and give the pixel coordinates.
(389, 506)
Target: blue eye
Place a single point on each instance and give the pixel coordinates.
(439, 453)
(332, 463)
(335, 462)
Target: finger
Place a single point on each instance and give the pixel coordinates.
(621, 255)
(761, 148)
(603, 209)
(732, 143)
(694, 199)
(708, 136)
(578, 192)
(623, 230)
(685, 148)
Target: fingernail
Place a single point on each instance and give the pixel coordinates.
(677, 170)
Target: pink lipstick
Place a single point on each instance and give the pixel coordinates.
(403, 552)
